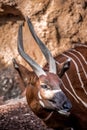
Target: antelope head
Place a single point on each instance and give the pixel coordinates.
(48, 86)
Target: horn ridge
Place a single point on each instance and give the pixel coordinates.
(44, 49)
(38, 70)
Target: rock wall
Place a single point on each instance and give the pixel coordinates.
(59, 24)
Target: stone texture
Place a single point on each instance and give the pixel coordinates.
(59, 24)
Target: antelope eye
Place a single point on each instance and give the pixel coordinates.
(44, 86)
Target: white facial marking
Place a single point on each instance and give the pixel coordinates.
(39, 95)
(41, 103)
(48, 94)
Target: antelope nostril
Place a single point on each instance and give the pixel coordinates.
(67, 105)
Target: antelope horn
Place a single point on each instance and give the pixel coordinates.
(37, 69)
(44, 49)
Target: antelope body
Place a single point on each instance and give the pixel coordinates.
(57, 96)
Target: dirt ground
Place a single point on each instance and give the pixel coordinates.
(17, 116)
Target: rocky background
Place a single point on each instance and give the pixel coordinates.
(58, 23)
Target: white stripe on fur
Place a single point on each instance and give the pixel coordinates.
(80, 55)
(85, 104)
(77, 69)
(80, 63)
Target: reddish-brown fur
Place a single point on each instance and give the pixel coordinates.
(78, 117)
(51, 94)
(55, 120)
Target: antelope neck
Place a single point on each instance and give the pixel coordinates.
(48, 116)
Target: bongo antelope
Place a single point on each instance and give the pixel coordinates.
(57, 96)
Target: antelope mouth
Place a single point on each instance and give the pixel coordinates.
(65, 112)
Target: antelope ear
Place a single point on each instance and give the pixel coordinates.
(26, 75)
(63, 67)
